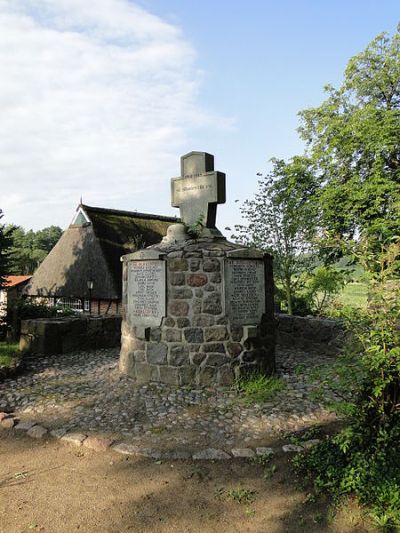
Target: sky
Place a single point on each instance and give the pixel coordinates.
(100, 99)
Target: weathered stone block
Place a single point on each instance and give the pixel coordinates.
(172, 335)
(178, 308)
(145, 372)
(169, 375)
(197, 358)
(211, 265)
(199, 293)
(156, 353)
(214, 347)
(216, 333)
(182, 322)
(234, 348)
(178, 354)
(181, 293)
(186, 375)
(212, 304)
(194, 335)
(225, 376)
(237, 333)
(209, 287)
(177, 264)
(217, 359)
(215, 277)
(168, 322)
(177, 278)
(194, 265)
(196, 306)
(203, 320)
(155, 334)
(97, 444)
(197, 280)
(139, 356)
(194, 347)
(207, 376)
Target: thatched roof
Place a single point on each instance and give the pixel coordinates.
(92, 251)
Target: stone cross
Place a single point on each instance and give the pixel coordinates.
(198, 190)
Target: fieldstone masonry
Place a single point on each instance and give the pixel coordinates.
(197, 311)
(197, 342)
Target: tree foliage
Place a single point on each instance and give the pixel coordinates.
(353, 140)
(281, 220)
(29, 248)
(4, 246)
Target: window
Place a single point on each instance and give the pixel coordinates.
(71, 303)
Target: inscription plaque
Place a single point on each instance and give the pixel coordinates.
(146, 292)
(244, 290)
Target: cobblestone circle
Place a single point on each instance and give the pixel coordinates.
(85, 392)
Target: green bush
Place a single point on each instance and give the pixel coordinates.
(27, 309)
(364, 457)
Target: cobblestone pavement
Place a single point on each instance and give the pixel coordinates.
(85, 392)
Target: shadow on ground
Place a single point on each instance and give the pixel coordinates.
(48, 486)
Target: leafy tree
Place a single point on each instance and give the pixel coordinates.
(29, 248)
(282, 220)
(4, 245)
(353, 141)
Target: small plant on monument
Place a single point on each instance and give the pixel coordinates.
(194, 230)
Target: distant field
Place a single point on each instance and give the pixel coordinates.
(354, 294)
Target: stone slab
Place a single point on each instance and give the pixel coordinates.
(7, 423)
(37, 432)
(210, 454)
(244, 290)
(58, 433)
(74, 438)
(242, 452)
(146, 292)
(125, 449)
(262, 450)
(97, 444)
(25, 426)
(292, 448)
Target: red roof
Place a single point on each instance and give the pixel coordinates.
(12, 281)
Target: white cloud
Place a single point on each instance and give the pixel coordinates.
(95, 98)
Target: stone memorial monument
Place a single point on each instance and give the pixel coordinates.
(197, 309)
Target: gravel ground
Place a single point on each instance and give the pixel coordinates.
(85, 392)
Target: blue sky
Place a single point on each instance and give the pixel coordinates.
(102, 100)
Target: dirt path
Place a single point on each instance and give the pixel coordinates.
(51, 487)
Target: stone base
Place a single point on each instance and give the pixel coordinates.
(195, 343)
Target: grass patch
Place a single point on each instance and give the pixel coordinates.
(258, 388)
(8, 351)
(354, 294)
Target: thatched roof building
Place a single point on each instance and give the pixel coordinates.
(90, 249)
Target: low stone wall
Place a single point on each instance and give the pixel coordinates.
(44, 336)
(325, 336)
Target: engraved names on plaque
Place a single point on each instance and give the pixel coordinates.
(244, 290)
(146, 292)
